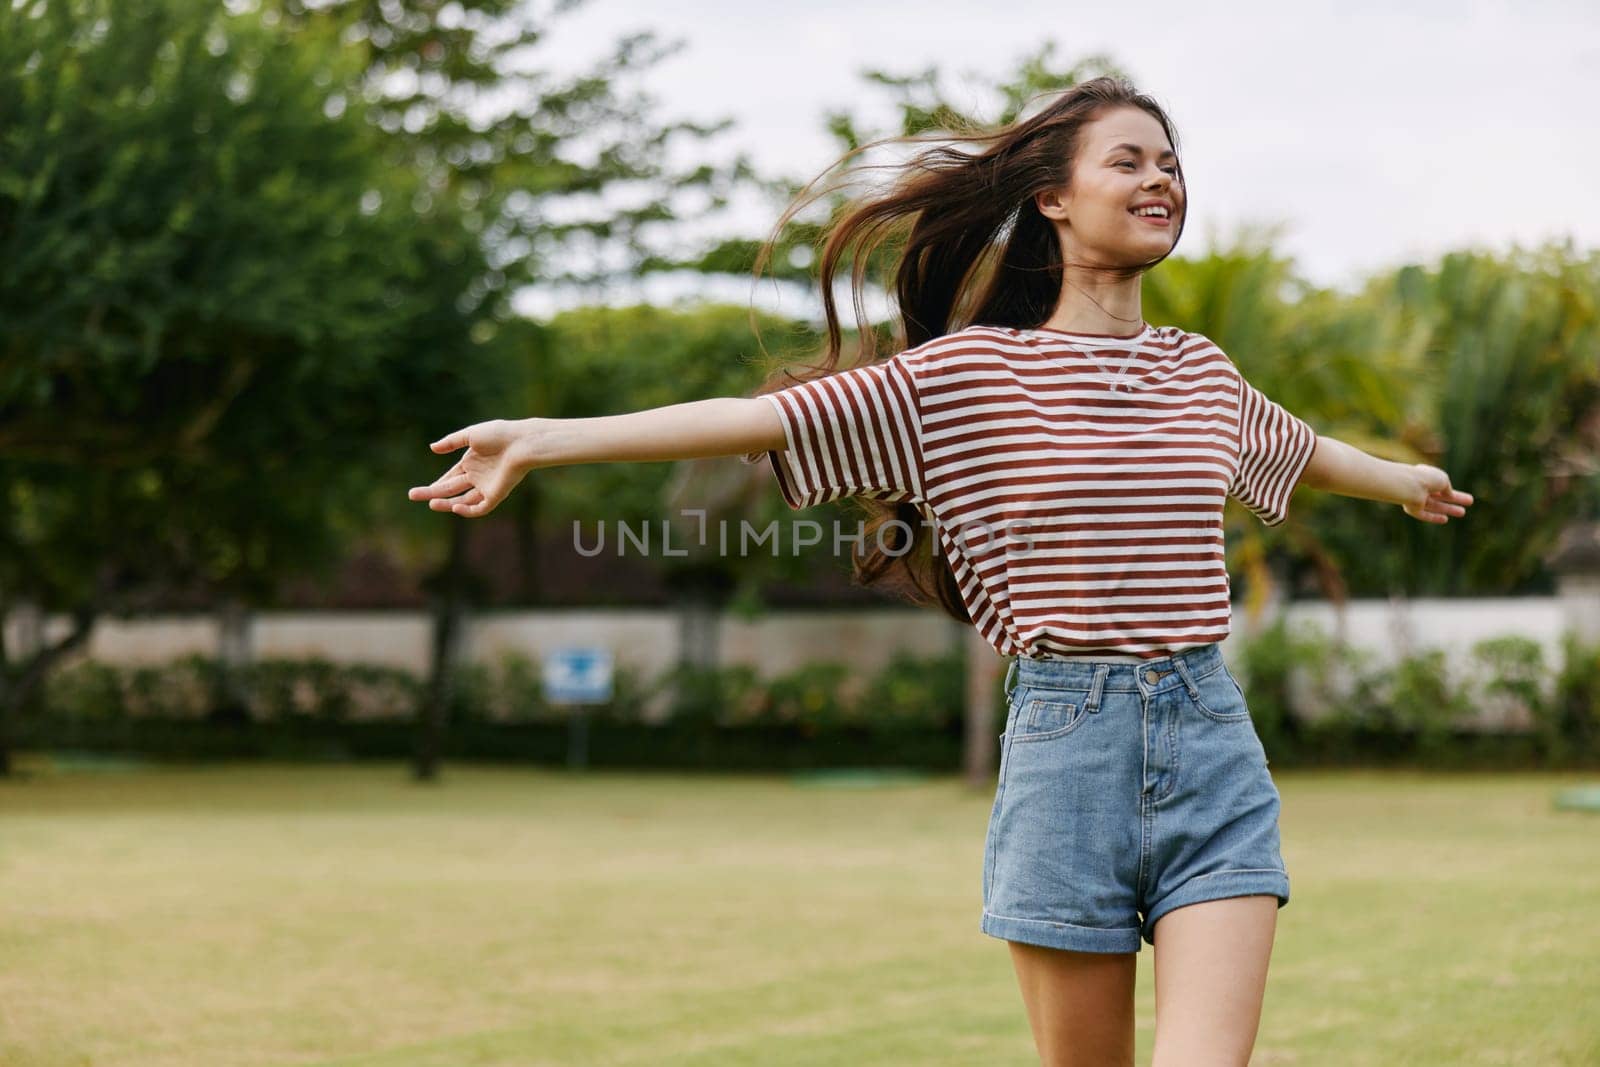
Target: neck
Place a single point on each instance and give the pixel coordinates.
(1093, 303)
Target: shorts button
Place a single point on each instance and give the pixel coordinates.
(1152, 676)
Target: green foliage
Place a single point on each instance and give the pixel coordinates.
(911, 693)
(1568, 727)
(90, 689)
(1482, 365)
(1516, 669)
(604, 361)
(187, 687)
(437, 78)
(319, 688)
(1267, 662)
(180, 219)
(1312, 701)
(915, 693)
(1342, 682)
(243, 279)
(599, 361)
(1427, 700)
(810, 697)
(727, 696)
(1505, 397)
(217, 306)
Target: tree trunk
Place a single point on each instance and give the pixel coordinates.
(983, 682)
(21, 677)
(527, 526)
(699, 630)
(447, 600)
(233, 660)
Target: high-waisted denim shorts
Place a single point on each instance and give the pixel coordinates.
(1126, 790)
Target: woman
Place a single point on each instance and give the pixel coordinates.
(1072, 461)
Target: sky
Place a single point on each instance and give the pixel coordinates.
(1373, 134)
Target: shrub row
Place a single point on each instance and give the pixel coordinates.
(1313, 701)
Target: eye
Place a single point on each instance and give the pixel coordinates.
(1120, 162)
(1171, 170)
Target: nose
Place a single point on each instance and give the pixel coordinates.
(1162, 186)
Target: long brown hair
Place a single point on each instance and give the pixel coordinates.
(976, 251)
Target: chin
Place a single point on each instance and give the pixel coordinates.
(1134, 257)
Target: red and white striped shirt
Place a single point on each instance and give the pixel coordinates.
(1080, 511)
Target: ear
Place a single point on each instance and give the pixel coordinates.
(1050, 204)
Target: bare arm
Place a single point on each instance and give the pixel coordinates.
(501, 452)
(721, 426)
(1336, 467)
(1423, 491)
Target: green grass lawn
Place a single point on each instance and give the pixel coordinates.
(265, 914)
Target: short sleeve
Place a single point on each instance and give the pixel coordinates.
(1274, 448)
(851, 433)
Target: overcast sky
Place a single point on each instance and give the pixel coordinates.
(1376, 133)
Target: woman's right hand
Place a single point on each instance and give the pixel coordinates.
(485, 475)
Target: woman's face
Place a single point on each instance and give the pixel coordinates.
(1124, 163)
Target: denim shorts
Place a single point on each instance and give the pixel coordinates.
(1126, 790)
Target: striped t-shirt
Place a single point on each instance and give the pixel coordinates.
(1080, 509)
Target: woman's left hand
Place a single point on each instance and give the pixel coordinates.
(1429, 496)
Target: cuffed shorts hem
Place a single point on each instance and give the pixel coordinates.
(1061, 935)
(1218, 886)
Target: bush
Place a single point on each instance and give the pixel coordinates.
(285, 689)
(184, 688)
(913, 708)
(1267, 664)
(706, 696)
(811, 698)
(189, 687)
(1516, 672)
(1427, 702)
(1568, 728)
(519, 696)
(915, 694)
(1352, 688)
(85, 690)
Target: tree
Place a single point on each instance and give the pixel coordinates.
(435, 77)
(1510, 388)
(1344, 368)
(214, 299)
(232, 316)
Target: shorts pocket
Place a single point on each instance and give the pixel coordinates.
(1044, 714)
(1219, 697)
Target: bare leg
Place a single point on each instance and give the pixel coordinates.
(1211, 976)
(1080, 1004)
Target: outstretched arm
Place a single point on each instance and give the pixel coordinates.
(721, 426)
(502, 451)
(1423, 491)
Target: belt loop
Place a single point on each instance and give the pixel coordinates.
(1011, 672)
(1099, 684)
(1183, 672)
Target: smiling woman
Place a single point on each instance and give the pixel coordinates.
(1028, 396)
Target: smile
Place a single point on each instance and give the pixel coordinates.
(1154, 220)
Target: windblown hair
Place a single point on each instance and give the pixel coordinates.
(976, 252)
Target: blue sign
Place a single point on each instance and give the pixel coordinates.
(577, 675)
